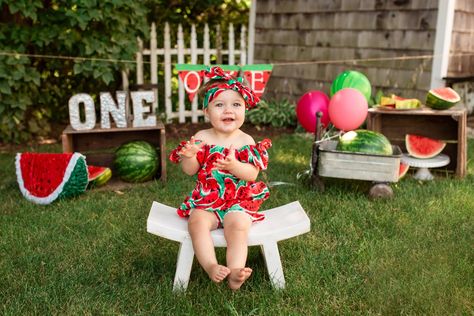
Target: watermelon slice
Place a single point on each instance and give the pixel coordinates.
(396, 102)
(45, 177)
(98, 176)
(402, 171)
(423, 147)
(442, 98)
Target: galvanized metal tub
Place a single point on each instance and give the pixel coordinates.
(358, 166)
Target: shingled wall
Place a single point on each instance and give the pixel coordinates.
(462, 41)
(303, 38)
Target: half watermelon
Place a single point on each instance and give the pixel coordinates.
(98, 176)
(403, 169)
(45, 177)
(442, 98)
(423, 147)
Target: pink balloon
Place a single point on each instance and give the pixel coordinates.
(348, 109)
(307, 106)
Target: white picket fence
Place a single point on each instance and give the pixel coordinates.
(170, 54)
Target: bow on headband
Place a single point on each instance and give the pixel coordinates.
(236, 84)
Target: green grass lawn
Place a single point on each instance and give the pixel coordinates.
(412, 254)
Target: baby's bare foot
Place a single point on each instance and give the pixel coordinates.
(217, 273)
(237, 277)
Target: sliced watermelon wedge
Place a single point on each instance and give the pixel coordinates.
(423, 147)
(442, 98)
(45, 177)
(402, 171)
(98, 176)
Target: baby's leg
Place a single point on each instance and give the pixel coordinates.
(200, 224)
(236, 230)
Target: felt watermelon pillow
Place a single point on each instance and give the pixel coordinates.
(45, 177)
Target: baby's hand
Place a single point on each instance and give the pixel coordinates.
(229, 163)
(190, 149)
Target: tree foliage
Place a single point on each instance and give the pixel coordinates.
(35, 87)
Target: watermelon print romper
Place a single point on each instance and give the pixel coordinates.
(219, 191)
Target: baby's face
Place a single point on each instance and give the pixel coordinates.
(227, 111)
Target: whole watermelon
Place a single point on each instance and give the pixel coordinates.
(136, 161)
(364, 141)
(352, 79)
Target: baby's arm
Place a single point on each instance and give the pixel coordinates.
(245, 171)
(189, 163)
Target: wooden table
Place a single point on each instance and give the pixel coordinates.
(447, 125)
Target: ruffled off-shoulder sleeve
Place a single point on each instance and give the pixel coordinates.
(176, 158)
(256, 154)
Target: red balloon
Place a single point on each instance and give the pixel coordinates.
(348, 109)
(307, 106)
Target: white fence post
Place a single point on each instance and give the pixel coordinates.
(167, 53)
(139, 60)
(154, 65)
(231, 44)
(243, 48)
(207, 45)
(181, 95)
(178, 53)
(194, 104)
(251, 36)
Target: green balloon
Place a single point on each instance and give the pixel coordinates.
(352, 79)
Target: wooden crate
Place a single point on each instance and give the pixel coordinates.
(98, 144)
(448, 125)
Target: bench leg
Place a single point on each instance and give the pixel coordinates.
(184, 265)
(273, 263)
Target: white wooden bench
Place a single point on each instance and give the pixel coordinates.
(280, 223)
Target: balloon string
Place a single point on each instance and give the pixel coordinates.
(329, 134)
(326, 137)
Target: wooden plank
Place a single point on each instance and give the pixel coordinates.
(231, 44)
(163, 155)
(168, 71)
(68, 146)
(421, 111)
(243, 49)
(181, 92)
(154, 66)
(296, 6)
(97, 129)
(206, 44)
(139, 61)
(251, 36)
(394, 126)
(462, 146)
(465, 5)
(194, 44)
(92, 141)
